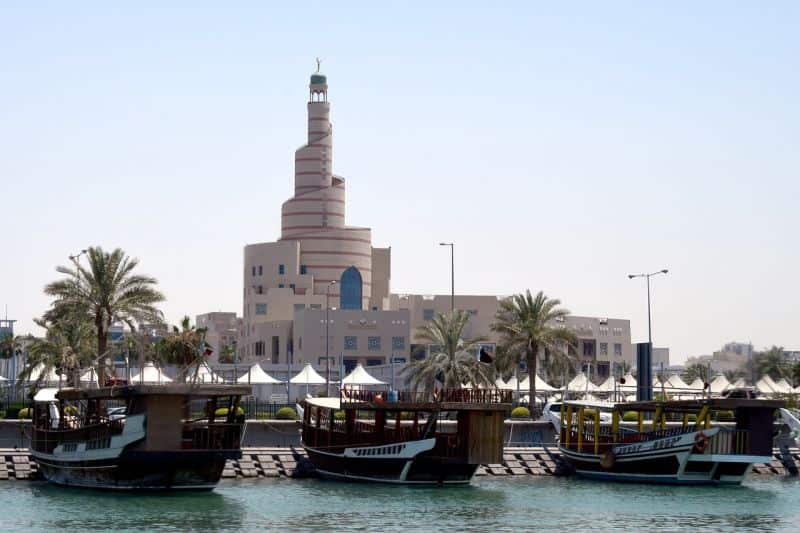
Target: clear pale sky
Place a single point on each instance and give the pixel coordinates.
(560, 148)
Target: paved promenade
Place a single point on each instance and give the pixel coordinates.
(282, 462)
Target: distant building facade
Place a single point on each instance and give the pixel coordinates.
(321, 263)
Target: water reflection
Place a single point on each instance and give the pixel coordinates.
(489, 504)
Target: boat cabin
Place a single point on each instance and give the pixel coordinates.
(465, 423)
(744, 425)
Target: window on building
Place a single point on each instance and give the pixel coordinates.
(276, 348)
(260, 289)
(260, 270)
(604, 331)
(350, 342)
(373, 344)
(258, 349)
(617, 349)
(254, 270)
(374, 362)
(281, 270)
(588, 349)
(427, 314)
(398, 343)
(303, 269)
(603, 348)
(299, 307)
(261, 309)
(280, 285)
(291, 286)
(316, 306)
(350, 289)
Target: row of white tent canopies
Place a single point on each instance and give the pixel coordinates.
(255, 375)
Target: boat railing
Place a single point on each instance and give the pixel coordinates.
(469, 396)
(729, 442)
(211, 436)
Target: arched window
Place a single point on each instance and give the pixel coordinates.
(350, 289)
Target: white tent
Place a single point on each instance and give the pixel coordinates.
(607, 385)
(765, 385)
(206, 375)
(255, 375)
(49, 377)
(542, 385)
(738, 384)
(783, 386)
(150, 374)
(697, 384)
(630, 381)
(676, 382)
(719, 384)
(90, 376)
(581, 383)
(307, 376)
(511, 384)
(359, 376)
(502, 385)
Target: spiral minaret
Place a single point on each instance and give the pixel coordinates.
(315, 215)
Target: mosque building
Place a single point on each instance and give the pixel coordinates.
(323, 275)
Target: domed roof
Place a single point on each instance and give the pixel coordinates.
(318, 79)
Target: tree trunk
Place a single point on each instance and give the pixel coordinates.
(532, 362)
(102, 346)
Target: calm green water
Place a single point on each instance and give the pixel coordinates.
(489, 504)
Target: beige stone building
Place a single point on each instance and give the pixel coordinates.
(320, 262)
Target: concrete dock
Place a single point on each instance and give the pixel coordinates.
(282, 462)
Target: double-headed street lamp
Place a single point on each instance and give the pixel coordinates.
(327, 339)
(649, 326)
(452, 275)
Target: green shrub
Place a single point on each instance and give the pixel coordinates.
(338, 415)
(406, 415)
(25, 412)
(520, 412)
(263, 416)
(692, 417)
(589, 414)
(630, 416)
(286, 413)
(223, 411)
(725, 416)
(71, 410)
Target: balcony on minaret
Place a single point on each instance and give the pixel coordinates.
(318, 88)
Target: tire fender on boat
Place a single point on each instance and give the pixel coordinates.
(607, 460)
(700, 442)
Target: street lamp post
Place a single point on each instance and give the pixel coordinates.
(452, 275)
(649, 323)
(327, 339)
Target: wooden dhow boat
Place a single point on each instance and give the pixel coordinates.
(416, 438)
(671, 441)
(141, 437)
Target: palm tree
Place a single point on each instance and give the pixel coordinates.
(453, 360)
(107, 291)
(185, 347)
(68, 346)
(694, 371)
(772, 362)
(527, 325)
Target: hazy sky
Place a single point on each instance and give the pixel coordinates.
(559, 147)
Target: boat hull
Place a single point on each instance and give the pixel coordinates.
(672, 460)
(418, 469)
(140, 471)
